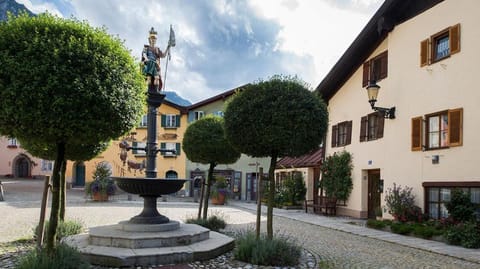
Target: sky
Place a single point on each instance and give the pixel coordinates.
(224, 44)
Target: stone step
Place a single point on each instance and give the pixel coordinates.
(114, 236)
(214, 246)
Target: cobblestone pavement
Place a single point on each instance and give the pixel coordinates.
(332, 248)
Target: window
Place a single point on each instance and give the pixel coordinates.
(198, 115)
(143, 122)
(442, 130)
(375, 69)
(12, 143)
(438, 193)
(170, 121)
(170, 146)
(371, 127)
(219, 113)
(342, 134)
(47, 165)
(440, 45)
(141, 145)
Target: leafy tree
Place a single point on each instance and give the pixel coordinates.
(204, 142)
(337, 175)
(64, 84)
(275, 118)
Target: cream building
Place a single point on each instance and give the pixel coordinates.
(423, 55)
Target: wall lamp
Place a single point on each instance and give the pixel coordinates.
(372, 91)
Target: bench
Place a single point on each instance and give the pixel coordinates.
(322, 205)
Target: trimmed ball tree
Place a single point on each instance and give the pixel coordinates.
(204, 142)
(275, 118)
(64, 84)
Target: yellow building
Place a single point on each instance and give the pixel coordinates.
(171, 125)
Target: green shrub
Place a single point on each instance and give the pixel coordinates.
(293, 189)
(376, 224)
(64, 257)
(337, 175)
(65, 228)
(214, 223)
(400, 203)
(460, 207)
(464, 234)
(401, 228)
(426, 231)
(280, 251)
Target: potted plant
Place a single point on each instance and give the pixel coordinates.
(219, 191)
(102, 185)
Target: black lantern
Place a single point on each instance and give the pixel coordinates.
(372, 91)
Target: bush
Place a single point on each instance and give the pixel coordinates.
(376, 224)
(64, 257)
(293, 189)
(280, 251)
(214, 223)
(65, 228)
(400, 203)
(401, 228)
(425, 231)
(460, 208)
(464, 234)
(337, 175)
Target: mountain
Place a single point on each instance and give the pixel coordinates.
(176, 99)
(12, 7)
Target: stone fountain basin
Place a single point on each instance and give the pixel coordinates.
(149, 186)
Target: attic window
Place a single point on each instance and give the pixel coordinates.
(440, 45)
(375, 68)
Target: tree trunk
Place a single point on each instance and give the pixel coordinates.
(54, 213)
(259, 203)
(271, 195)
(207, 192)
(202, 191)
(63, 191)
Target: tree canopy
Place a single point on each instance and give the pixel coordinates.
(64, 85)
(275, 118)
(278, 117)
(64, 81)
(204, 142)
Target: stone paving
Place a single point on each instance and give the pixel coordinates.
(335, 242)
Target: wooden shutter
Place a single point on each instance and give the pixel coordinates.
(177, 120)
(162, 146)
(334, 135)
(178, 149)
(363, 128)
(454, 33)
(383, 59)
(424, 52)
(366, 73)
(380, 124)
(163, 121)
(348, 139)
(417, 133)
(455, 122)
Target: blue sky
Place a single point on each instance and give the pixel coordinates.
(223, 44)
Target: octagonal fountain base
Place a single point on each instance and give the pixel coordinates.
(127, 245)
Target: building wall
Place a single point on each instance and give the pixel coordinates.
(415, 91)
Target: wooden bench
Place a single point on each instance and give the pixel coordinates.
(322, 205)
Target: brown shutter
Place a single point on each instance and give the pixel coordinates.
(334, 135)
(454, 33)
(366, 73)
(348, 139)
(417, 134)
(424, 52)
(380, 124)
(455, 122)
(383, 65)
(363, 128)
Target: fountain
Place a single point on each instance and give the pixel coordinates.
(149, 238)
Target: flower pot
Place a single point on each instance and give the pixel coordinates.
(219, 199)
(100, 197)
